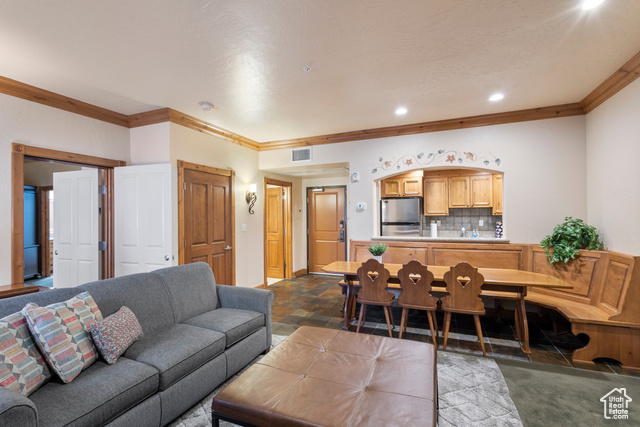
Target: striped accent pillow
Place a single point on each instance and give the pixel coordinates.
(22, 367)
(61, 331)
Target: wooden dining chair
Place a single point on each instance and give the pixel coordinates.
(463, 297)
(373, 290)
(416, 294)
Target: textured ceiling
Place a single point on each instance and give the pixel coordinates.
(440, 59)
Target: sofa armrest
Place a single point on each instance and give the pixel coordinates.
(254, 299)
(16, 410)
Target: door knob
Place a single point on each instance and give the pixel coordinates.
(166, 257)
(228, 248)
(56, 252)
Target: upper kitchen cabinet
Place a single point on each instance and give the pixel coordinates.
(459, 195)
(436, 196)
(407, 185)
(481, 191)
(497, 194)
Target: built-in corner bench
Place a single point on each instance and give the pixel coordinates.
(604, 303)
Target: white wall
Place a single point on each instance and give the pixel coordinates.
(40, 174)
(544, 165)
(613, 175)
(37, 125)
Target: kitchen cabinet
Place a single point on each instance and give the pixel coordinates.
(436, 196)
(473, 191)
(459, 196)
(408, 185)
(481, 191)
(497, 194)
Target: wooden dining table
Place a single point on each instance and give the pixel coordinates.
(500, 283)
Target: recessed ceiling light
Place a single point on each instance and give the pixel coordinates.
(206, 106)
(590, 4)
(496, 97)
(401, 111)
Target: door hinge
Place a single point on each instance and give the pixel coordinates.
(102, 246)
(285, 266)
(284, 231)
(102, 189)
(184, 186)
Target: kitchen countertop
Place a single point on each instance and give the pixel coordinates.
(440, 239)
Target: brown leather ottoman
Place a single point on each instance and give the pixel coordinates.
(326, 377)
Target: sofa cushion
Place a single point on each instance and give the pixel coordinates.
(191, 288)
(22, 366)
(143, 293)
(177, 351)
(61, 338)
(235, 324)
(100, 394)
(113, 335)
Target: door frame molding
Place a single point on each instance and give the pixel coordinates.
(346, 227)
(182, 165)
(18, 153)
(288, 211)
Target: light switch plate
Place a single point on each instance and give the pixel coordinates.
(480, 223)
(243, 227)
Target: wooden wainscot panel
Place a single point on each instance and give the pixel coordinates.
(629, 300)
(397, 252)
(583, 273)
(479, 256)
(617, 276)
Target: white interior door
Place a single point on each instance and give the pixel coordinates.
(142, 205)
(75, 245)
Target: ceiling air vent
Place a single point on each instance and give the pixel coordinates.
(301, 154)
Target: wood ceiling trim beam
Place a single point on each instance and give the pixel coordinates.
(173, 116)
(552, 112)
(614, 84)
(52, 99)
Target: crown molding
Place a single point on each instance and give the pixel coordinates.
(52, 99)
(614, 84)
(565, 110)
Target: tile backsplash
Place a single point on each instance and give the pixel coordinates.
(469, 218)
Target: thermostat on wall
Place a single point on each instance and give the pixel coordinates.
(361, 206)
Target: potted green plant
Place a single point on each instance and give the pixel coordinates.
(377, 249)
(568, 238)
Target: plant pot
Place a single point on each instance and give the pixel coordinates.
(377, 258)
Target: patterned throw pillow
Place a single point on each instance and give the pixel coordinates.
(61, 331)
(22, 367)
(116, 333)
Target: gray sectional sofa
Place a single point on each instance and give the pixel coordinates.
(196, 335)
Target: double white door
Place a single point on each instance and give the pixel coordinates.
(142, 217)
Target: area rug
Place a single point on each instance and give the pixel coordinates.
(471, 391)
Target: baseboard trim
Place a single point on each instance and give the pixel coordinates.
(300, 272)
(261, 286)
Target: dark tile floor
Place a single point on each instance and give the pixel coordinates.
(316, 300)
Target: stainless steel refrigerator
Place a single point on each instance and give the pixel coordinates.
(401, 216)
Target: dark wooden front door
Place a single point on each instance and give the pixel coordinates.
(208, 222)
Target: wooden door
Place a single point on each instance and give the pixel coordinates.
(436, 196)
(327, 227)
(459, 192)
(497, 194)
(275, 232)
(481, 191)
(208, 222)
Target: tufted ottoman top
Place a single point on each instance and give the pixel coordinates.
(328, 377)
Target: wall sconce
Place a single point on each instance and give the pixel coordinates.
(251, 197)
